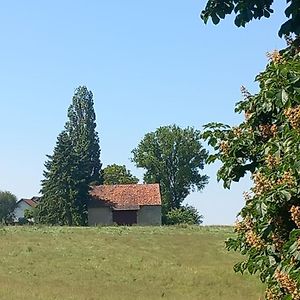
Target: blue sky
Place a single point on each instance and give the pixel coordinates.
(148, 63)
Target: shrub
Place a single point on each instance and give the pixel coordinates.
(30, 216)
(183, 215)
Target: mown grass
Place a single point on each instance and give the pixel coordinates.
(120, 263)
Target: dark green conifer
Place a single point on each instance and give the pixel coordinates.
(64, 194)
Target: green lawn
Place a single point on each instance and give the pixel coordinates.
(120, 263)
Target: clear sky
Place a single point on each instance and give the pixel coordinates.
(148, 63)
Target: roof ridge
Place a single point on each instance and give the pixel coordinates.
(126, 184)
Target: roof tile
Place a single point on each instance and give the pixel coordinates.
(127, 195)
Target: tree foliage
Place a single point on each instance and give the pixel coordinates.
(64, 193)
(30, 215)
(247, 10)
(172, 157)
(73, 167)
(8, 202)
(267, 145)
(184, 215)
(116, 174)
(81, 128)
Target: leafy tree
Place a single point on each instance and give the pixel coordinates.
(64, 193)
(247, 10)
(29, 213)
(81, 128)
(115, 174)
(30, 216)
(267, 145)
(184, 215)
(8, 202)
(172, 157)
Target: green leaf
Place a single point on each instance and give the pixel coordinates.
(294, 247)
(272, 261)
(295, 234)
(283, 96)
(215, 19)
(286, 195)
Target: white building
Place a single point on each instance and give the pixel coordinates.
(23, 204)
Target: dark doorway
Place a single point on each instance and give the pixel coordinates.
(125, 217)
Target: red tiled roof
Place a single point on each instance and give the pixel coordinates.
(127, 195)
(31, 202)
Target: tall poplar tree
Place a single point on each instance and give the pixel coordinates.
(81, 128)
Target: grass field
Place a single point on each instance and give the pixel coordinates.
(120, 263)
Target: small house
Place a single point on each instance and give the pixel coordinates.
(22, 205)
(125, 204)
